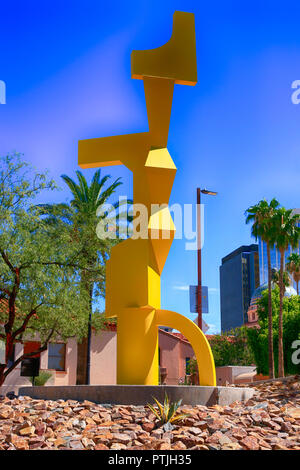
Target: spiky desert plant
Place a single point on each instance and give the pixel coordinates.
(166, 412)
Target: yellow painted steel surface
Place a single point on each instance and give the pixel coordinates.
(135, 266)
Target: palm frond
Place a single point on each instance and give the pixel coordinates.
(84, 189)
(105, 195)
(75, 189)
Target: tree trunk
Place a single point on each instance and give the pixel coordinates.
(9, 344)
(280, 328)
(270, 317)
(84, 349)
(4, 371)
(2, 378)
(88, 363)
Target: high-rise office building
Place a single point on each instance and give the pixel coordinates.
(275, 256)
(239, 277)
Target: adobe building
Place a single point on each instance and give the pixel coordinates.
(68, 366)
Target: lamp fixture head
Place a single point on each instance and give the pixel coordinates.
(211, 193)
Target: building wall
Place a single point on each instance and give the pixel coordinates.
(235, 374)
(186, 352)
(239, 277)
(66, 377)
(174, 352)
(169, 350)
(104, 358)
(231, 293)
(14, 379)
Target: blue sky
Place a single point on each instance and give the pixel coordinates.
(67, 70)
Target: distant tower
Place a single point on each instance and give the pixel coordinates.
(239, 277)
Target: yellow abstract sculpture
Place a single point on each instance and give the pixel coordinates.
(135, 266)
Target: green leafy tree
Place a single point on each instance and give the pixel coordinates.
(88, 212)
(293, 267)
(40, 288)
(261, 217)
(231, 348)
(258, 337)
(287, 233)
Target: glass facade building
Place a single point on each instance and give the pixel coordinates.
(275, 256)
(239, 277)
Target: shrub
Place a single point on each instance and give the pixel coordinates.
(258, 338)
(42, 378)
(232, 348)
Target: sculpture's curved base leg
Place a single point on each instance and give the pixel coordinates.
(202, 350)
(137, 345)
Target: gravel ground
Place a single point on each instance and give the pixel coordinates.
(269, 421)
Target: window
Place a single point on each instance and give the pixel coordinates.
(187, 365)
(56, 356)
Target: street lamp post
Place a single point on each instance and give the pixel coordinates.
(199, 290)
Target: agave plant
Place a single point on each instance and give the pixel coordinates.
(166, 412)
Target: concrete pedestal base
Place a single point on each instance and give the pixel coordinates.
(140, 394)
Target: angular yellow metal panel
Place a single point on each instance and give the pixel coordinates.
(159, 96)
(137, 347)
(160, 159)
(135, 266)
(160, 172)
(174, 60)
(127, 276)
(130, 150)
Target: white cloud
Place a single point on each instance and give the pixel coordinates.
(212, 329)
(182, 287)
(213, 290)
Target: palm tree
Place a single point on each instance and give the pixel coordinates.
(293, 267)
(83, 215)
(261, 217)
(276, 279)
(287, 233)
